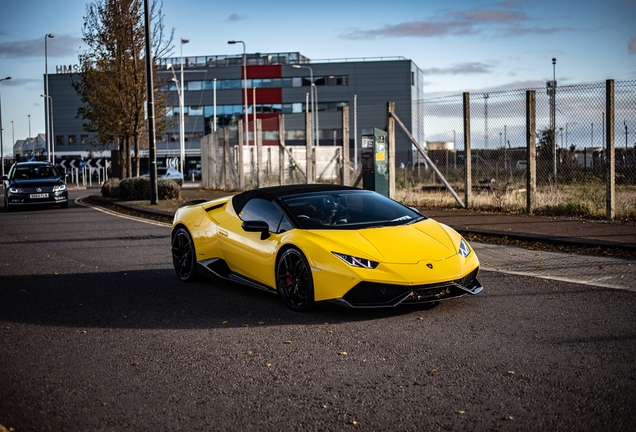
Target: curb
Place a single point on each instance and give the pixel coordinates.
(540, 238)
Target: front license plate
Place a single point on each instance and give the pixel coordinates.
(42, 195)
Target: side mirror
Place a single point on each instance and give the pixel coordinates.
(257, 226)
(4, 177)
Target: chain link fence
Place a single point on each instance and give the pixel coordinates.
(572, 164)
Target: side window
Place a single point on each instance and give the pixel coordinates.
(260, 209)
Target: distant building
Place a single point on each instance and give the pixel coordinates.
(281, 82)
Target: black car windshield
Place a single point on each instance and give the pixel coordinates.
(34, 172)
(347, 210)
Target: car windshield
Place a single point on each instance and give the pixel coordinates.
(162, 171)
(34, 172)
(348, 210)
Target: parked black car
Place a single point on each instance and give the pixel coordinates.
(32, 183)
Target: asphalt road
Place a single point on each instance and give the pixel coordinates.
(97, 334)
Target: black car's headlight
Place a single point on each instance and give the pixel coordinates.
(357, 262)
(59, 188)
(464, 250)
(15, 190)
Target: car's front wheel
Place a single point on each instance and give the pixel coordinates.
(294, 282)
(184, 256)
(6, 204)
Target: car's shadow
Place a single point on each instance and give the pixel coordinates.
(157, 299)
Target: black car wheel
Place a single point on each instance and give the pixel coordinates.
(294, 283)
(184, 256)
(64, 205)
(6, 204)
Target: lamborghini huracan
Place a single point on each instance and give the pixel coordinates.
(315, 243)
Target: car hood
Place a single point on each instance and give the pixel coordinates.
(29, 183)
(426, 240)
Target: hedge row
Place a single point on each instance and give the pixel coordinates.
(138, 188)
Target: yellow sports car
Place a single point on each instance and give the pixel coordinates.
(313, 243)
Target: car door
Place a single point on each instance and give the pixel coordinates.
(247, 253)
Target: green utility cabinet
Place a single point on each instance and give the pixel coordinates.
(375, 167)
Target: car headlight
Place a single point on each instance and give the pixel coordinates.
(357, 262)
(15, 190)
(59, 188)
(464, 250)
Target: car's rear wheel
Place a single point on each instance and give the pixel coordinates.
(294, 282)
(184, 256)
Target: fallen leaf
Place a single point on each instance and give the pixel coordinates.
(224, 322)
(509, 418)
(249, 352)
(353, 422)
(268, 364)
(329, 331)
(83, 331)
(261, 323)
(287, 342)
(135, 364)
(246, 325)
(552, 297)
(7, 328)
(343, 353)
(460, 412)
(600, 267)
(511, 372)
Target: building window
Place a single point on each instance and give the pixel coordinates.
(59, 140)
(196, 111)
(297, 82)
(412, 78)
(194, 86)
(72, 140)
(84, 139)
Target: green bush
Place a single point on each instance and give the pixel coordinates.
(138, 188)
(110, 189)
(167, 189)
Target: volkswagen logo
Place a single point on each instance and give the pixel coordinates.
(38, 189)
(430, 266)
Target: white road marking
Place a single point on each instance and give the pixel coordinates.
(120, 215)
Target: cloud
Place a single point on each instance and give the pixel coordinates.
(60, 46)
(414, 29)
(460, 69)
(459, 23)
(236, 17)
(19, 82)
(631, 45)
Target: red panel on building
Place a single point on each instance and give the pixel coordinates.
(264, 96)
(263, 71)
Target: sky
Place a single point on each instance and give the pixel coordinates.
(460, 46)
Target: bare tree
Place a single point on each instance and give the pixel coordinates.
(112, 83)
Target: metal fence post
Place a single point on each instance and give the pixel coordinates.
(468, 181)
(310, 153)
(531, 151)
(240, 171)
(345, 147)
(390, 108)
(259, 152)
(610, 198)
(281, 149)
(226, 157)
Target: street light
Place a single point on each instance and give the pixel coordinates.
(46, 91)
(314, 120)
(247, 128)
(181, 121)
(1, 144)
(52, 144)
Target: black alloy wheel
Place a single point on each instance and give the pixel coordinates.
(294, 283)
(184, 256)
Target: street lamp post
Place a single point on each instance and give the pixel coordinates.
(246, 117)
(181, 121)
(181, 114)
(51, 146)
(29, 117)
(46, 91)
(314, 114)
(1, 144)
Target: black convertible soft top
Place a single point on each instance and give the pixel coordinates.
(271, 193)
